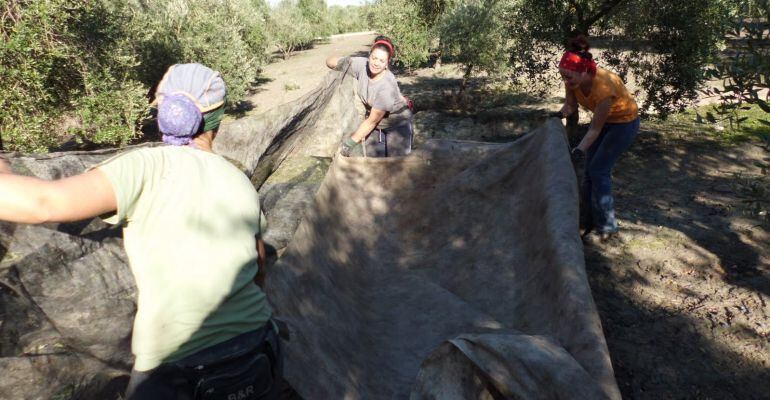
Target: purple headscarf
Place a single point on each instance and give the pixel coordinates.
(178, 119)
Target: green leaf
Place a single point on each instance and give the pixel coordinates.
(764, 122)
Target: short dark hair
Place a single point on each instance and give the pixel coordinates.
(579, 44)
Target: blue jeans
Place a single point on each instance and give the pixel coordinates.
(598, 204)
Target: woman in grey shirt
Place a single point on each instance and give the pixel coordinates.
(387, 129)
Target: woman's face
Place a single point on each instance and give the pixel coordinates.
(378, 61)
(573, 79)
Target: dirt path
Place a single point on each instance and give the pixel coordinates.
(684, 290)
(287, 80)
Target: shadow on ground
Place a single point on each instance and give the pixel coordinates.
(683, 292)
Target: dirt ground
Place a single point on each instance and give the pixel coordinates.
(684, 290)
(284, 81)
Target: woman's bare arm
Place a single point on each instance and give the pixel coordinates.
(601, 113)
(570, 102)
(368, 125)
(30, 200)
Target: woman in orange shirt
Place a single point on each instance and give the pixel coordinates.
(614, 126)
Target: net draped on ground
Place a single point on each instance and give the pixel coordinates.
(463, 259)
(456, 272)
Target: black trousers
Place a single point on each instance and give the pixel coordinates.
(246, 367)
(391, 142)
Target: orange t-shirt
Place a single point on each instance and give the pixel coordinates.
(608, 85)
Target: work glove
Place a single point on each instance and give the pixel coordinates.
(577, 155)
(348, 146)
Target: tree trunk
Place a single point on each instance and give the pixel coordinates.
(466, 76)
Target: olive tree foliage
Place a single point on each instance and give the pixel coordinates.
(350, 18)
(664, 44)
(431, 11)
(63, 63)
(684, 39)
(472, 34)
(289, 29)
(226, 35)
(401, 20)
(317, 14)
(295, 25)
(85, 68)
(743, 68)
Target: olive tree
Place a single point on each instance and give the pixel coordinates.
(401, 21)
(349, 18)
(743, 69)
(83, 69)
(317, 14)
(472, 34)
(226, 35)
(290, 30)
(66, 69)
(665, 44)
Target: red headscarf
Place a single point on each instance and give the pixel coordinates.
(387, 44)
(574, 62)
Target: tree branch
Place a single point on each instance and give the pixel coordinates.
(604, 10)
(578, 12)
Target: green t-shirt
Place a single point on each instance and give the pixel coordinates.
(190, 220)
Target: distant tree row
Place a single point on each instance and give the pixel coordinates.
(83, 69)
(295, 24)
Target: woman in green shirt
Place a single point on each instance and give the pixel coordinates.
(192, 225)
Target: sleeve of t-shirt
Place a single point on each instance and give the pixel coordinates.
(343, 64)
(126, 173)
(353, 66)
(387, 99)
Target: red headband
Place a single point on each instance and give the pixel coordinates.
(387, 44)
(574, 62)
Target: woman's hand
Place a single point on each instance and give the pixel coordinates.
(577, 155)
(566, 110)
(348, 146)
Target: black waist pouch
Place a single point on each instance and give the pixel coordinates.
(246, 378)
(245, 369)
